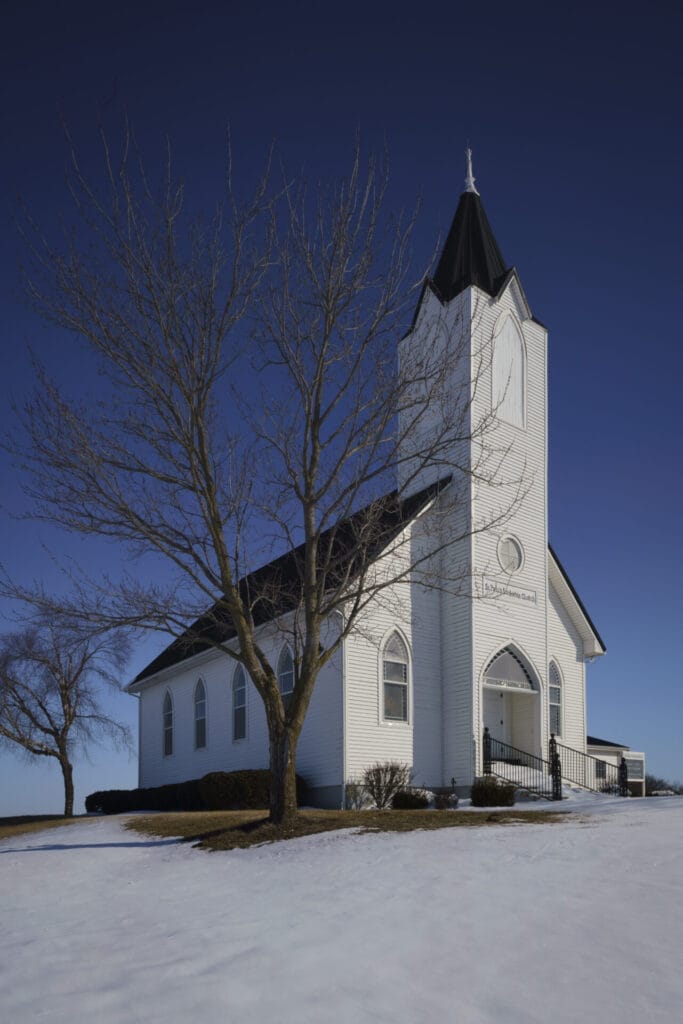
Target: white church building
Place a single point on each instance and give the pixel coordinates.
(453, 684)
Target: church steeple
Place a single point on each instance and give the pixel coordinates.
(470, 255)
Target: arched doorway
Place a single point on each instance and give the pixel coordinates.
(510, 700)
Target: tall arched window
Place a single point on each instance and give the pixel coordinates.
(555, 699)
(395, 679)
(285, 675)
(509, 374)
(200, 715)
(239, 704)
(168, 725)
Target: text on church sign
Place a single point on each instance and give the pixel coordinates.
(499, 588)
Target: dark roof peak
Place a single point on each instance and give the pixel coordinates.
(470, 254)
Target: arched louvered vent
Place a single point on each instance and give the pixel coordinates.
(508, 669)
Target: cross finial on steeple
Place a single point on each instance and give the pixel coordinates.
(469, 180)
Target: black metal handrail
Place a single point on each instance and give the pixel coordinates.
(590, 772)
(522, 769)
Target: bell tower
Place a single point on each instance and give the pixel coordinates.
(490, 424)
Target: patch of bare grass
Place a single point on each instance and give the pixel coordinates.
(230, 830)
(32, 823)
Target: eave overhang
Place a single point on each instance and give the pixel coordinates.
(593, 644)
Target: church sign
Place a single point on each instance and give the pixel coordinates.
(498, 588)
(634, 767)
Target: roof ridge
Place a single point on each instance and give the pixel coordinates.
(282, 570)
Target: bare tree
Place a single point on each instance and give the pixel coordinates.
(254, 404)
(52, 677)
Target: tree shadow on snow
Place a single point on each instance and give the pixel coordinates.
(94, 846)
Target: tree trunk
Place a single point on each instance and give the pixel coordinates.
(283, 803)
(68, 773)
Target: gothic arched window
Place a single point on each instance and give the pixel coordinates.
(555, 699)
(509, 374)
(285, 674)
(239, 704)
(200, 715)
(395, 679)
(168, 725)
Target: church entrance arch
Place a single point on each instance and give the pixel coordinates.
(511, 700)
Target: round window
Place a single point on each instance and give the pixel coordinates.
(510, 554)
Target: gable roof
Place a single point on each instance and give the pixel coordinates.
(470, 255)
(557, 575)
(275, 588)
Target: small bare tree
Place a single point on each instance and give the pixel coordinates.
(382, 781)
(52, 678)
(253, 404)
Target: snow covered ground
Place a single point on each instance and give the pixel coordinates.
(508, 924)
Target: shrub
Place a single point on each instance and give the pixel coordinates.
(382, 781)
(355, 797)
(176, 796)
(218, 791)
(188, 796)
(230, 791)
(94, 802)
(490, 792)
(409, 800)
(655, 785)
(109, 801)
(445, 801)
(240, 791)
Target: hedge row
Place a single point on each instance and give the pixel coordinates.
(408, 800)
(217, 791)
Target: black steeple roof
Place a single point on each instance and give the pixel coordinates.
(471, 255)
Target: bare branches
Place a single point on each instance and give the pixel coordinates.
(157, 300)
(255, 397)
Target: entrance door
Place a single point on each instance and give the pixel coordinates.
(496, 714)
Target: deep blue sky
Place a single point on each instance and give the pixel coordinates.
(573, 113)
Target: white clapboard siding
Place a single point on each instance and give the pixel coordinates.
(456, 646)
(369, 738)
(427, 536)
(319, 758)
(517, 619)
(440, 336)
(565, 648)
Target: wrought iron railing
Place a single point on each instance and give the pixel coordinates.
(522, 769)
(527, 771)
(590, 772)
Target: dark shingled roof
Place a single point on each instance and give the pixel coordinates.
(593, 741)
(471, 255)
(275, 588)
